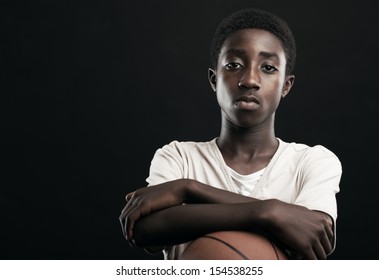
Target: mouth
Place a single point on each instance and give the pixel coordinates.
(247, 102)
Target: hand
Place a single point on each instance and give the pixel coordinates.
(147, 200)
(309, 233)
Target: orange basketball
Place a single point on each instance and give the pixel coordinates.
(233, 245)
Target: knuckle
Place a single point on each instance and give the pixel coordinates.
(138, 192)
(145, 205)
(134, 216)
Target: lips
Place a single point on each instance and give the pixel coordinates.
(247, 102)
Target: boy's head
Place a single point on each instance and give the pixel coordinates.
(254, 18)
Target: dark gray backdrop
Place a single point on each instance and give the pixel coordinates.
(91, 89)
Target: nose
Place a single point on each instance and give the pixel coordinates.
(250, 80)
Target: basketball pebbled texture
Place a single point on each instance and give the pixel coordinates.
(233, 245)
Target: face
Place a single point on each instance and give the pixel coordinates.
(250, 78)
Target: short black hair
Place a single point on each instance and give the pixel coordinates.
(255, 18)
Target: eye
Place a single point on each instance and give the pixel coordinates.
(269, 68)
(233, 66)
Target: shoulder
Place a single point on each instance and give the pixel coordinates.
(186, 147)
(304, 149)
(315, 155)
(174, 160)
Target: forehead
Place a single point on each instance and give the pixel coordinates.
(253, 40)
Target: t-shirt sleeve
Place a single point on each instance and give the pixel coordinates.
(320, 181)
(166, 165)
(321, 178)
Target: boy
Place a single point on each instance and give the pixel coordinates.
(246, 179)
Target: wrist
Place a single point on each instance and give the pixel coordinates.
(196, 192)
(267, 214)
(188, 190)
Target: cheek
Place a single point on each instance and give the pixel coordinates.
(222, 97)
(274, 90)
(275, 85)
(225, 81)
(225, 88)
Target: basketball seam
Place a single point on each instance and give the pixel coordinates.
(276, 253)
(228, 245)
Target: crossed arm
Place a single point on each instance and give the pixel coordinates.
(182, 210)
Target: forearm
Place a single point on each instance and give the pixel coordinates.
(156, 216)
(183, 223)
(146, 201)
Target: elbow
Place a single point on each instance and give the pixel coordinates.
(142, 236)
(149, 233)
(142, 239)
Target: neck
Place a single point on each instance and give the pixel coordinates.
(254, 141)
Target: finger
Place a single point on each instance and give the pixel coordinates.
(319, 251)
(125, 209)
(129, 226)
(123, 221)
(131, 215)
(310, 254)
(129, 234)
(330, 232)
(326, 243)
(134, 214)
(129, 196)
(130, 205)
(120, 218)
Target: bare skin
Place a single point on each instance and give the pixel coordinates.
(249, 82)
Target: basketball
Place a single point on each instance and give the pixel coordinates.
(233, 245)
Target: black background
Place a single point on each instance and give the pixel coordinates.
(91, 89)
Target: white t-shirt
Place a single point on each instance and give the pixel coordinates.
(246, 183)
(297, 174)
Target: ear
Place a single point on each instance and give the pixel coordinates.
(290, 79)
(212, 78)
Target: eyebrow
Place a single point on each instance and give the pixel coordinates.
(262, 53)
(269, 55)
(235, 51)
